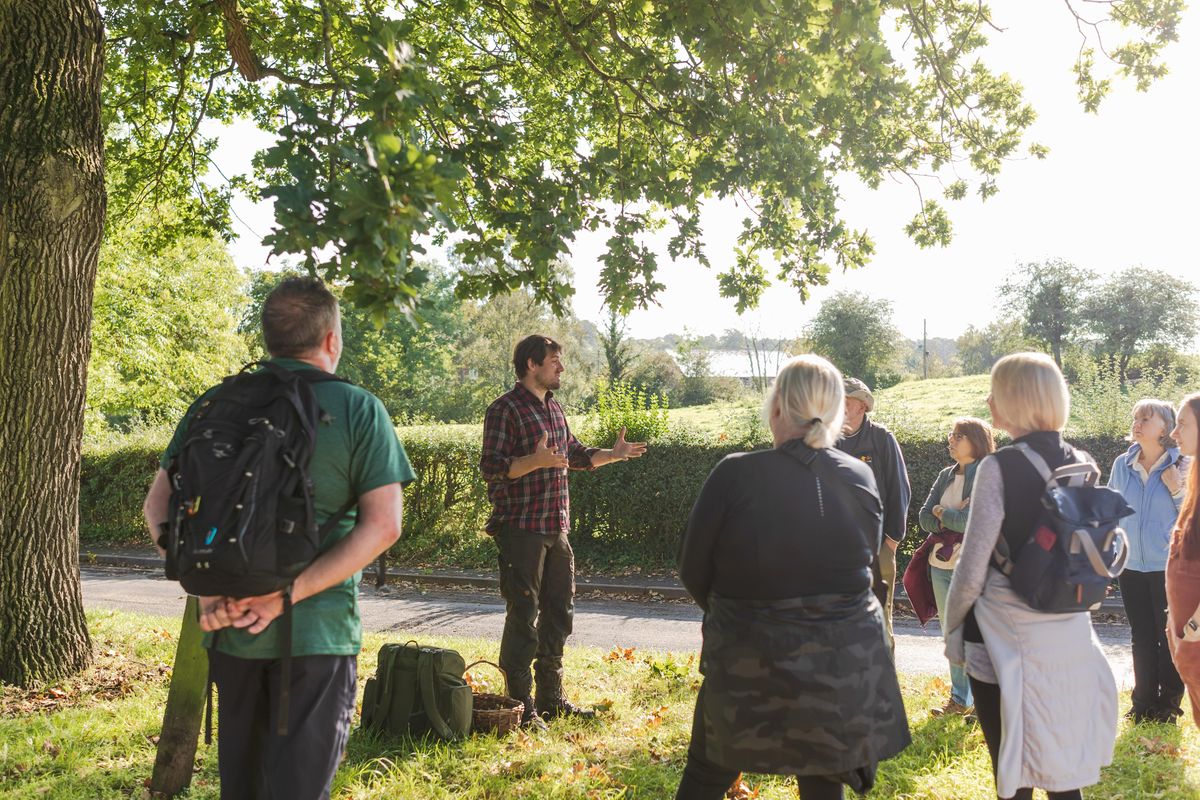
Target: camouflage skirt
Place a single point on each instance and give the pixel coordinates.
(802, 686)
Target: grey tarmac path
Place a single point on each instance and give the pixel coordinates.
(408, 611)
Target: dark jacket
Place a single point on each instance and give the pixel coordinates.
(877, 447)
(798, 673)
(947, 533)
(782, 523)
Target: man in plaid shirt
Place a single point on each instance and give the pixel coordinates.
(527, 450)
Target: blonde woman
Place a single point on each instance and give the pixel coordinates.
(798, 675)
(1044, 692)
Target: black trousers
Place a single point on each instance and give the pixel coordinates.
(704, 780)
(254, 761)
(987, 708)
(537, 582)
(1157, 687)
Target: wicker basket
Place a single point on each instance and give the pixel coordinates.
(494, 712)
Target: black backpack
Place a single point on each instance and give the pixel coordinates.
(242, 521)
(1076, 547)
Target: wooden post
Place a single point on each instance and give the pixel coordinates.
(381, 569)
(185, 708)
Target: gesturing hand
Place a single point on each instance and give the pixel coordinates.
(623, 449)
(546, 457)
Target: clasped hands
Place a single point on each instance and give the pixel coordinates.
(252, 614)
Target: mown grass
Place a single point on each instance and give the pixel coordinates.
(101, 745)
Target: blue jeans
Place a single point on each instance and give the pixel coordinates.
(960, 687)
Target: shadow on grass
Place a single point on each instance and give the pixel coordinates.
(941, 746)
(573, 759)
(1147, 762)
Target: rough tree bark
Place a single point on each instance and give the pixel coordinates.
(52, 204)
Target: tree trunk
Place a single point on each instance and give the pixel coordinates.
(51, 220)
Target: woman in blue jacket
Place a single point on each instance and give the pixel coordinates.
(944, 518)
(1149, 478)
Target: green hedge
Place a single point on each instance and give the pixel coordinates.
(625, 515)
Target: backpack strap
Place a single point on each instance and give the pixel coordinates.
(285, 667)
(1081, 472)
(385, 670)
(408, 697)
(208, 703)
(335, 518)
(425, 677)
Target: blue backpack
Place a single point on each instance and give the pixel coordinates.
(1076, 547)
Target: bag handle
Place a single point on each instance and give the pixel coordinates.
(1093, 556)
(499, 669)
(429, 699)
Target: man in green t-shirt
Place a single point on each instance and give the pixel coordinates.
(357, 456)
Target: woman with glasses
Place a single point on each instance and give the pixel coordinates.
(944, 518)
(1148, 477)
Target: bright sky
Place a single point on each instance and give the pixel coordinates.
(1117, 190)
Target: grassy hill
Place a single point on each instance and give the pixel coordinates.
(931, 404)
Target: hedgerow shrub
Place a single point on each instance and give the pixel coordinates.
(619, 405)
(623, 515)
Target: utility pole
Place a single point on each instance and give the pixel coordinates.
(925, 348)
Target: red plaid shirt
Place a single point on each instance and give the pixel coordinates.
(512, 427)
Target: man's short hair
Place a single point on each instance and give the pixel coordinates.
(297, 315)
(536, 347)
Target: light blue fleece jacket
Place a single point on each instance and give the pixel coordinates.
(1155, 510)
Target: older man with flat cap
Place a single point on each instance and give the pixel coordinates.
(875, 445)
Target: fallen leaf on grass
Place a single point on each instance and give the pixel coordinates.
(51, 748)
(1158, 746)
(621, 654)
(604, 706)
(655, 717)
(741, 790)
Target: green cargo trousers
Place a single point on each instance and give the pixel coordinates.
(537, 582)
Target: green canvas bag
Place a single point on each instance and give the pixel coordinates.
(418, 690)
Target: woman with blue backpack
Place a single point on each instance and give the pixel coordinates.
(1044, 693)
(1148, 476)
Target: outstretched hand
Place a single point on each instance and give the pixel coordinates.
(622, 449)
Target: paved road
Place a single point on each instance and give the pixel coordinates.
(408, 611)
